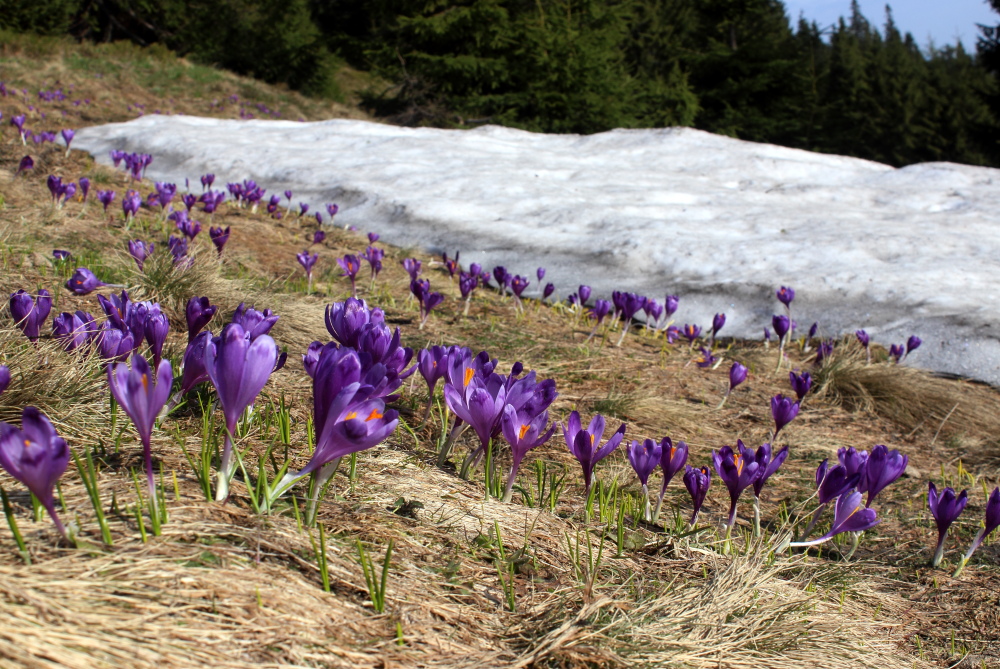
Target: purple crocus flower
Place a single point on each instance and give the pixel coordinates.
(644, 457)
(207, 180)
(524, 431)
(27, 163)
(304, 209)
(374, 257)
(548, 290)
(189, 200)
(718, 321)
(219, 237)
(896, 352)
(654, 313)
(540, 274)
(781, 325)
(706, 359)
(113, 344)
(912, 344)
(831, 484)
(584, 294)
(131, 202)
(585, 446)
(824, 351)
(946, 507)
(156, 327)
(29, 313)
(4, 378)
(849, 516)
(198, 312)
(351, 264)
(991, 522)
(598, 312)
(373, 237)
(178, 249)
(187, 227)
(70, 329)
(480, 403)
(768, 466)
(800, 384)
(60, 254)
(855, 462)
(194, 363)
(346, 321)
(83, 282)
(432, 363)
(883, 467)
(318, 237)
(783, 411)
(239, 369)
(737, 375)
(67, 136)
(139, 250)
(630, 305)
(36, 456)
(785, 295)
(308, 262)
(106, 197)
(347, 420)
(865, 341)
(739, 470)
(332, 209)
(673, 458)
(691, 333)
(142, 396)
(254, 323)
(697, 481)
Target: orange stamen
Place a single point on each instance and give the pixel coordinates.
(373, 415)
(524, 430)
(352, 415)
(469, 373)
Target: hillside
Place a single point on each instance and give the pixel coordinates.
(471, 581)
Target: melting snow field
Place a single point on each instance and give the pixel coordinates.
(718, 221)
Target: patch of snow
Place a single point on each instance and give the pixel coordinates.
(718, 221)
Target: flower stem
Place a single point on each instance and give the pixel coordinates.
(939, 551)
(756, 516)
(972, 549)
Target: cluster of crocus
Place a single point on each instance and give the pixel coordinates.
(644, 458)
(374, 256)
(488, 401)
(857, 473)
(246, 193)
(135, 163)
(353, 377)
(740, 468)
(421, 290)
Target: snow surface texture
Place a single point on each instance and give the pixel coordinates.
(720, 222)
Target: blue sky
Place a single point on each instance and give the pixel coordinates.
(944, 21)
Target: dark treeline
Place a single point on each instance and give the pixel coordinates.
(737, 67)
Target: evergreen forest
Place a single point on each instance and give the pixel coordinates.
(743, 68)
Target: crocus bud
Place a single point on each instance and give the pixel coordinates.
(83, 282)
(737, 375)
